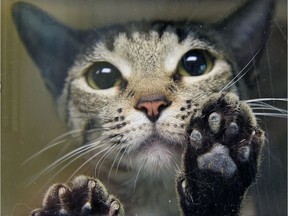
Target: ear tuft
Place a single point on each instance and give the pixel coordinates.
(51, 45)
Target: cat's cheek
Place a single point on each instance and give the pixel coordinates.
(88, 99)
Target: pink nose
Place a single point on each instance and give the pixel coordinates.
(152, 106)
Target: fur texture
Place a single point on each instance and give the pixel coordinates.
(143, 122)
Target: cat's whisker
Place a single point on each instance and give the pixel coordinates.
(242, 72)
(78, 151)
(266, 99)
(120, 159)
(137, 175)
(55, 142)
(278, 115)
(266, 106)
(80, 154)
(269, 108)
(95, 145)
(42, 151)
(259, 104)
(102, 159)
(280, 29)
(98, 129)
(236, 78)
(87, 161)
(68, 134)
(113, 163)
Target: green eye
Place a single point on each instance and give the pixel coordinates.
(103, 75)
(195, 63)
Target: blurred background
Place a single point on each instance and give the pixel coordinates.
(29, 118)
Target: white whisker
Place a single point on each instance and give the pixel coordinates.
(114, 161)
(87, 161)
(53, 143)
(279, 115)
(236, 78)
(103, 158)
(84, 151)
(268, 108)
(267, 99)
(242, 72)
(63, 159)
(119, 161)
(138, 173)
(260, 104)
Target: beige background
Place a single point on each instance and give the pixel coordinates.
(30, 122)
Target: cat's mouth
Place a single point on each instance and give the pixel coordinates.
(158, 143)
(157, 156)
(156, 146)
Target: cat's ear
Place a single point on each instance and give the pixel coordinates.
(51, 45)
(246, 30)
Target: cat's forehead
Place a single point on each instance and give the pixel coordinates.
(145, 52)
(152, 45)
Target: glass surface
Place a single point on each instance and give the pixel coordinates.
(29, 119)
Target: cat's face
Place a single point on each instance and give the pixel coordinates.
(132, 89)
(168, 77)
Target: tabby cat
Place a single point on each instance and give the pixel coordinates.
(149, 97)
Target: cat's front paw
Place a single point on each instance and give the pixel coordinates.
(87, 196)
(221, 157)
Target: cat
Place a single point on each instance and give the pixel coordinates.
(149, 97)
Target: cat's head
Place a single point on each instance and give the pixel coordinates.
(134, 87)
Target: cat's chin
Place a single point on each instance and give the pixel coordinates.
(157, 159)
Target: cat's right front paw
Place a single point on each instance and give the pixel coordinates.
(86, 197)
(221, 158)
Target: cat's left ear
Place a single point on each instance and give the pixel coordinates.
(52, 45)
(246, 30)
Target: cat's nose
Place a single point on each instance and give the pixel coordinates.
(152, 106)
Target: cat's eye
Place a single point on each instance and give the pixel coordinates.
(103, 75)
(195, 63)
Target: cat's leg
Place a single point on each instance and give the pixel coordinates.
(221, 159)
(86, 197)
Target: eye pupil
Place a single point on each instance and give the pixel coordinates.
(102, 75)
(195, 63)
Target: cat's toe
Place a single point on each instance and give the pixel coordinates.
(87, 196)
(91, 197)
(55, 202)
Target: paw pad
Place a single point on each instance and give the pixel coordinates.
(196, 139)
(243, 153)
(232, 130)
(217, 161)
(214, 122)
(221, 134)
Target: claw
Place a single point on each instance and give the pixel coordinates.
(114, 208)
(61, 192)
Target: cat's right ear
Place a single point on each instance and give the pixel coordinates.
(52, 45)
(246, 31)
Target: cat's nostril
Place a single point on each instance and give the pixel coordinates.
(152, 106)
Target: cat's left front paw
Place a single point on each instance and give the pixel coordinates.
(221, 158)
(86, 197)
